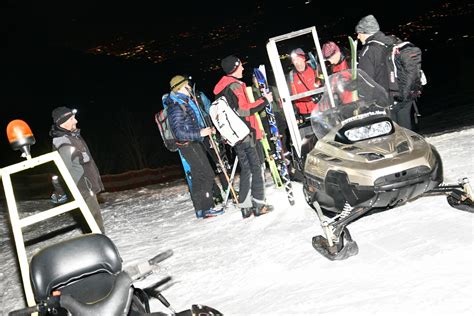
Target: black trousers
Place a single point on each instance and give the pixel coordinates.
(202, 175)
(94, 207)
(250, 194)
(401, 114)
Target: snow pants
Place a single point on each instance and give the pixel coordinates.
(252, 187)
(94, 207)
(202, 175)
(401, 114)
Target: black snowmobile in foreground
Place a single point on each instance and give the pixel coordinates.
(363, 163)
(84, 276)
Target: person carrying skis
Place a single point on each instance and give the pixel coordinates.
(336, 57)
(252, 189)
(190, 132)
(73, 150)
(373, 60)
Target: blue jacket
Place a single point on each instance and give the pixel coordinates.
(183, 120)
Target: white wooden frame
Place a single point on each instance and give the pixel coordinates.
(282, 85)
(19, 223)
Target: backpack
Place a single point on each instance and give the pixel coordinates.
(226, 120)
(406, 78)
(169, 140)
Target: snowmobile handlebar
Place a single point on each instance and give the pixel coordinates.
(50, 305)
(24, 311)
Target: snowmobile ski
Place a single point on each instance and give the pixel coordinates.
(460, 195)
(341, 250)
(143, 269)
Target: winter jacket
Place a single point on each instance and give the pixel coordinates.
(240, 101)
(302, 82)
(76, 155)
(184, 122)
(372, 58)
(343, 64)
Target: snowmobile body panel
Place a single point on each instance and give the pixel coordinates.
(377, 173)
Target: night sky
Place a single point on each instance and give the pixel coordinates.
(113, 60)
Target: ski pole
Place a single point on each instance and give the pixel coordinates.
(213, 144)
(234, 168)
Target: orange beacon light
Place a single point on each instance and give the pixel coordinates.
(20, 137)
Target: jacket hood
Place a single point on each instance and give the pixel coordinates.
(224, 82)
(381, 37)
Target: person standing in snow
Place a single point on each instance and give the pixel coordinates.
(336, 57)
(190, 131)
(372, 60)
(73, 150)
(252, 188)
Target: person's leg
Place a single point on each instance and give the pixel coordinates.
(404, 115)
(257, 185)
(203, 176)
(245, 173)
(93, 204)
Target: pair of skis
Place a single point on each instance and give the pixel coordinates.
(279, 155)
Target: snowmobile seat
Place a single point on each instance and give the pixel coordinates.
(87, 270)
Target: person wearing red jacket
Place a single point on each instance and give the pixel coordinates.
(251, 195)
(303, 78)
(337, 58)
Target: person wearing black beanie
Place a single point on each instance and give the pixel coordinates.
(252, 186)
(373, 61)
(73, 150)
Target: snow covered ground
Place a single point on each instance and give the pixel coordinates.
(413, 260)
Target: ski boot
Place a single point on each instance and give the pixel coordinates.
(262, 209)
(247, 212)
(209, 213)
(58, 198)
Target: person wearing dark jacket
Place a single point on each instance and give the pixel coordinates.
(188, 129)
(73, 150)
(372, 60)
(252, 189)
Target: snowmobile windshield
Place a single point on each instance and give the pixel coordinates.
(355, 98)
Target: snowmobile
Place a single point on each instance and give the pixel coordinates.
(363, 162)
(84, 276)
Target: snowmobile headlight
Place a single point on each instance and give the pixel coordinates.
(368, 131)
